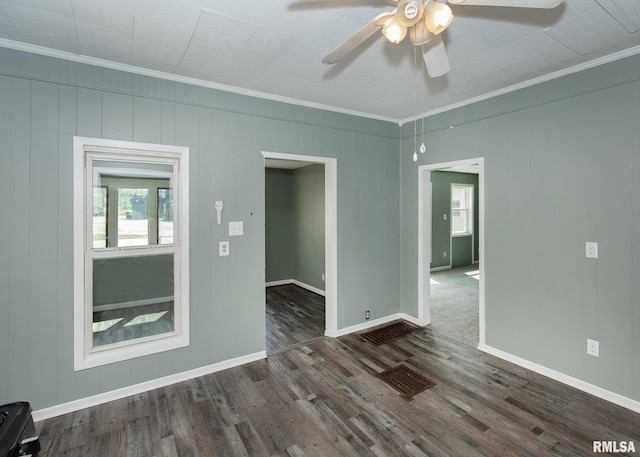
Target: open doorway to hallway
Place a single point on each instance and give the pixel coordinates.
(295, 316)
(454, 298)
(300, 230)
(451, 239)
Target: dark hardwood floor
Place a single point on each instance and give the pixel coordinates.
(294, 315)
(323, 399)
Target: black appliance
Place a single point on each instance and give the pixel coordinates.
(17, 431)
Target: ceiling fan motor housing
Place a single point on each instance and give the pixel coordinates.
(409, 12)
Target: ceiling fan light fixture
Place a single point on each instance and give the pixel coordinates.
(419, 34)
(394, 30)
(409, 12)
(437, 17)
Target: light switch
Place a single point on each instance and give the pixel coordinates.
(236, 228)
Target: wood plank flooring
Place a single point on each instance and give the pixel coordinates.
(294, 315)
(323, 399)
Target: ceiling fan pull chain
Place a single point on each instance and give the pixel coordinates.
(415, 104)
(423, 148)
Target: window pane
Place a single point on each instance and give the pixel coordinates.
(133, 201)
(100, 217)
(459, 221)
(459, 197)
(461, 209)
(165, 216)
(133, 297)
(130, 299)
(133, 217)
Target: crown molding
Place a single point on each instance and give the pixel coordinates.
(531, 82)
(78, 58)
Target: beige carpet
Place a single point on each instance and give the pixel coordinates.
(455, 302)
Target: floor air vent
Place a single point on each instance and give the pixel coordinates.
(406, 381)
(389, 333)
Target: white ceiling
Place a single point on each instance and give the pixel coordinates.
(274, 48)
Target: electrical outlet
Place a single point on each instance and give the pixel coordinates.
(223, 248)
(593, 348)
(323, 276)
(444, 254)
(367, 314)
(592, 249)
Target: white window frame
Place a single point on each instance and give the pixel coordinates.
(469, 190)
(85, 356)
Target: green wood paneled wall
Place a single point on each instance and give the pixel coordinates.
(561, 161)
(295, 235)
(560, 169)
(44, 102)
(309, 236)
(441, 240)
(279, 224)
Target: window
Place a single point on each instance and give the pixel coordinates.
(461, 209)
(130, 250)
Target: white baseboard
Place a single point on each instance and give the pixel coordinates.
(283, 282)
(117, 394)
(596, 391)
(364, 325)
(128, 391)
(374, 323)
(310, 288)
(445, 267)
(415, 321)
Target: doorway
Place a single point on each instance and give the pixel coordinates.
(290, 289)
(425, 254)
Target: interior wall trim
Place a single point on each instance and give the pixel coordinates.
(330, 230)
(528, 83)
(309, 288)
(133, 303)
(284, 282)
(279, 282)
(425, 233)
(77, 58)
(583, 386)
(136, 389)
(374, 323)
(591, 389)
(49, 52)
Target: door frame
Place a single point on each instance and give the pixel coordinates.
(330, 231)
(424, 238)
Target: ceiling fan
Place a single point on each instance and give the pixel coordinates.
(423, 21)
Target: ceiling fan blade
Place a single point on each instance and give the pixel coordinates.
(435, 58)
(512, 3)
(357, 38)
